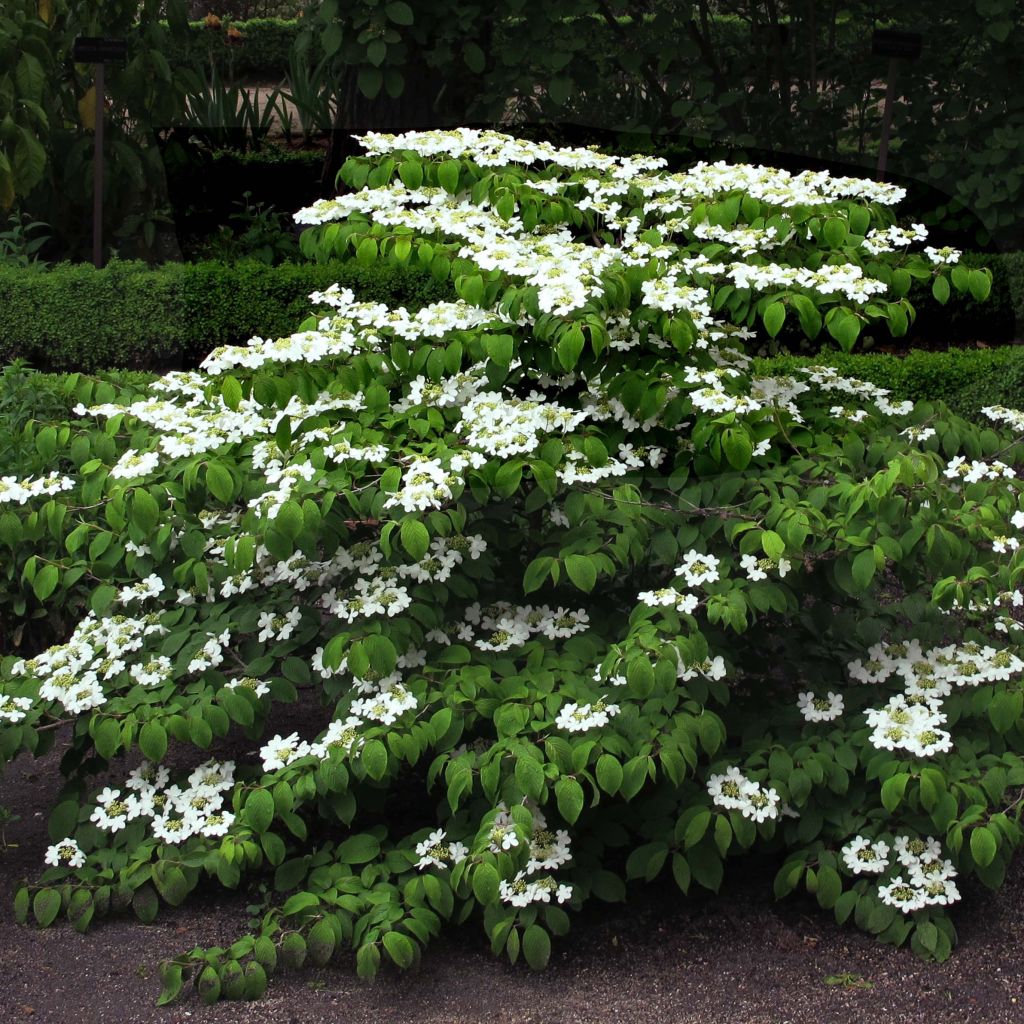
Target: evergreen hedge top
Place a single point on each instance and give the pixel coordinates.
(511, 543)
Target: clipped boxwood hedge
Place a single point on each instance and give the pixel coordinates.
(967, 380)
(130, 316)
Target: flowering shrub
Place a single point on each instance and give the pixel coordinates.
(584, 599)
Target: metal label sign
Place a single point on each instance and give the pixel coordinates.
(99, 50)
(887, 42)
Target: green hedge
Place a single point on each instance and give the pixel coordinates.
(263, 53)
(75, 317)
(127, 315)
(967, 380)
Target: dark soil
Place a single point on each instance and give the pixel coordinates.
(737, 959)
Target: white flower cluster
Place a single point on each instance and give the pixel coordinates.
(511, 426)
(68, 852)
(211, 654)
(13, 709)
(880, 240)
(176, 813)
(16, 492)
(579, 718)
(436, 851)
(900, 725)
(829, 279)
(820, 709)
(427, 484)
(735, 792)
(926, 879)
(549, 850)
(911, 720)
(758, 568)
(958, 468)
(134, 464)
(862, 856)
(946, 255)
(73, 674)
(698, 569)
(502, 625)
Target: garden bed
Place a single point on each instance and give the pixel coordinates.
(738, 958)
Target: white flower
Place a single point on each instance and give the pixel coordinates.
(902, 895)
(133, 465)
(435, 851)
(67, 851)
(731, 789)
(13, 709)
(698, 568)
(862, 856)
(282, 750)
(577, 718)
(820, 709)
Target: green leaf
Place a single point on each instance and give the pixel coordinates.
(737, 446)
(367, 961)
(529, 775)
(399, 948)
(360, 849)
(369, 80)
(486, 884)
(320, 943)
(536, 947)
(979, 283)
(399, 12)
(415, 537)
(220, 482)
(209, 985)
(863, 568)
(581, 571)
(774, 317)
(569, 347)
(830, 886)
(569, 796)
(411, 173)
(448, 176)
(256, 979)
(46, 906)
(834, 232)
(45, 582)
(474, 57)
(374, 758)
(983, 846)
(560, 89)
(893, 790)
(170, 882)
(940, 289)
(366, 251)
(259, 810)
(153, 741)
(772, 544)
(231, 392)
(609, 773)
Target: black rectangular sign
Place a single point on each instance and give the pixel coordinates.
(887, 42)
(99, 50)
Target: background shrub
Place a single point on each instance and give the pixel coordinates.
(127, 315)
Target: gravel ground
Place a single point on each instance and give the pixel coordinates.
(740, 959)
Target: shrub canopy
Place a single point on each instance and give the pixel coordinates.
(584, 599)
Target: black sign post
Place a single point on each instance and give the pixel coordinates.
(896, 46)
(99, 52)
